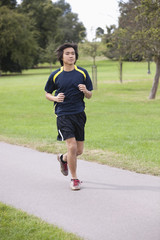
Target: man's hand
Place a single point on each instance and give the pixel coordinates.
(60, 97)
(82, 88)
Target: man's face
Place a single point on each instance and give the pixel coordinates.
(69, 56)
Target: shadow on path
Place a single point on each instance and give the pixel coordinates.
(105, 186)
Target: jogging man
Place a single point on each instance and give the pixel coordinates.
(71, 84)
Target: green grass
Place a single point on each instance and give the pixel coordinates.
(108, 71)
(17, 225)
(122, 128)
(128, 125)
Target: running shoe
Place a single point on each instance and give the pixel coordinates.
(75, 184)
(63, 165)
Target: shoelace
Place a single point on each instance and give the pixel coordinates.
(76, 181)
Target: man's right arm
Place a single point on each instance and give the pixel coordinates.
(59, 98)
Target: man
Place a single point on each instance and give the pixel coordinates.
(71, 84)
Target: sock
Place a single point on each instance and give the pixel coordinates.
(61, 157)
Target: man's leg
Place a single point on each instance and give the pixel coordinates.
(72, 146)
(71, 156)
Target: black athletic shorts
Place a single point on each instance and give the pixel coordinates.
(70, 126)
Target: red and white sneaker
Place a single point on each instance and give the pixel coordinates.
(75, 184)
(63, 165)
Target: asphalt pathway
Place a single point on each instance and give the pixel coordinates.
(113, 204)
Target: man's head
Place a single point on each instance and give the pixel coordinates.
(60, 51)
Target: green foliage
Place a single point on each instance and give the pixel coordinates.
(17, 43)
(142, 23)
(48, 55)
(53, 21)
(9, 3)
(32, 29)
(91, 49)
(69, 27)
(43, 15)
(99, 32)
(138, 34)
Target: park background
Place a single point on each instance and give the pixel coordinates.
(123, 115)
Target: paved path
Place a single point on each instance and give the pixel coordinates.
(113, 204)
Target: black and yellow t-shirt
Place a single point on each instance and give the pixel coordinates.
(65, 82)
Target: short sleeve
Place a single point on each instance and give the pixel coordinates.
(88, 81)
(50, 85)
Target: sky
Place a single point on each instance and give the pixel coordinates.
(94, 13)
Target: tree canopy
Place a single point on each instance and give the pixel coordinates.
(43, 15)
(17, 44)
(30, 30)
(9, 3)
(69, 27)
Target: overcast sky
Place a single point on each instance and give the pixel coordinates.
(94, 13)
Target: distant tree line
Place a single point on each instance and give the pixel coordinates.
(31, 31)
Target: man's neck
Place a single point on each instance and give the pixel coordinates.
(68, 68)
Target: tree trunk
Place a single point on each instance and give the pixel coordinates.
(120, 70)
(149, 70)
(156, 80)
(94, 61)
(94, 76)
(51, 67)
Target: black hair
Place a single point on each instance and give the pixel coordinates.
(61, 48)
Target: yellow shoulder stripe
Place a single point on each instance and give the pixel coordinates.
(54, 78)
(80, 71)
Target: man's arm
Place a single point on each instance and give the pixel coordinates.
(87, 93)
(59, 98)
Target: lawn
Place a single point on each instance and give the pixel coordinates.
(123, 124)
(17, 225)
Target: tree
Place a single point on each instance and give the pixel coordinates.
(48, 54)
(99, 32)
(109, 41)
(44, 16)
(54, 24)
(120, 44)
(69, 27)
(17, 43)
(8, 3)
(91, 49)
(141, 20)
(116, 45)
(70, 30)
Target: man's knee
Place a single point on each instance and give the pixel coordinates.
(80, 146)
(79, 151)
(72, 146)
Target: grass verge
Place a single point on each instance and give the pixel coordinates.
(17, 225)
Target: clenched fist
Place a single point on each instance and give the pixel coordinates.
(60, 97)
(82, 88)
